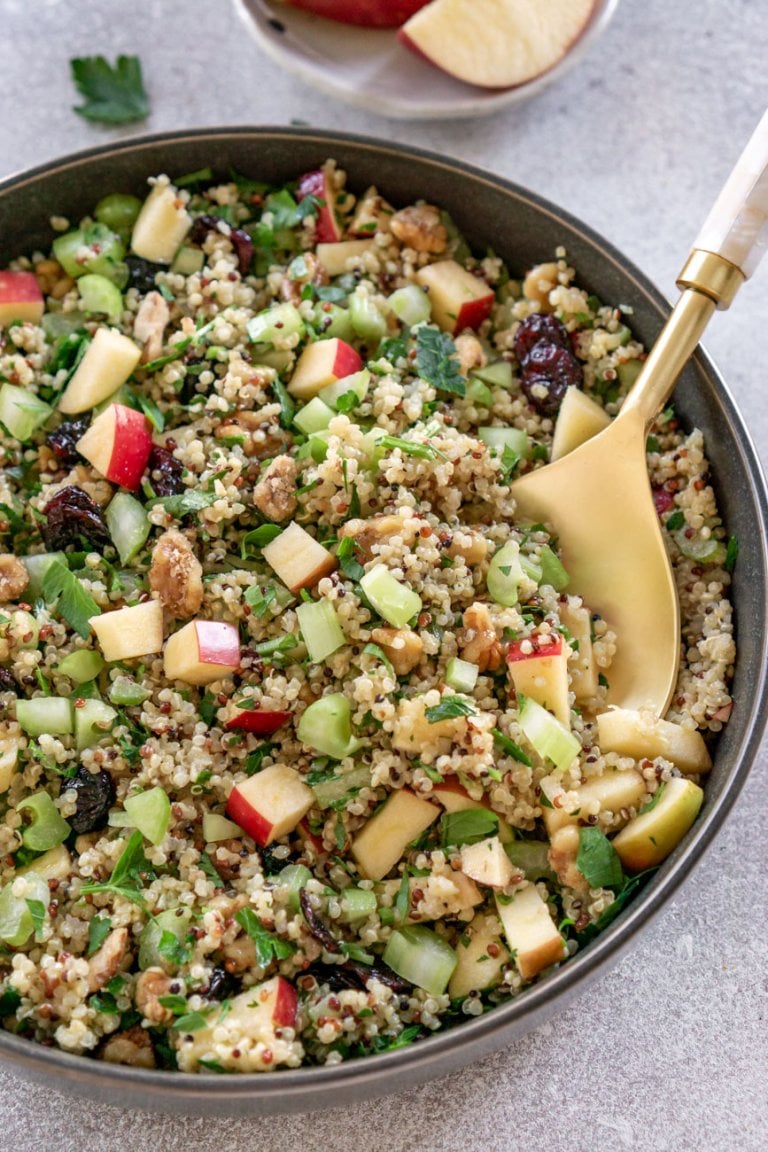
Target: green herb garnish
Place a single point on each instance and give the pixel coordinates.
(437, 361)
(269, 946)
(62, 587)
(113, 93)
(98, 930)
(449, 708)
(468, 826)
(598, 861)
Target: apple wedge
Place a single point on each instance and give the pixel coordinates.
(614, 791)
(582, 667)
(20, 298)
(161, 225)
(259, 721)
(651, 836)
(496, 43)
(270, 804)
(365, 13)
(202, 651)
(336, 258)
(487, 863)
(639, 735)
(118, 444)
(482, 957)
(246, 1036)
(321, 364)
(579, 419)
(530, 931)
(317, 184)
(458, 299)
(297, 558)
(108, 362)
(540, 671)
(130, 632)
(384, 839)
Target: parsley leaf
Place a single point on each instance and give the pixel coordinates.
(449, 708)
(732, 554)
(598, 860)
(269, 946)
(113, 94)
(345, 554)
(128, 874)
(258, 538)
(98, 930)
(209, 868)
(468, 826)
(409, 447)
(375, 650)
(509, 748)
(72, 601)
(437, 362)
(675, 521)
(192, 500)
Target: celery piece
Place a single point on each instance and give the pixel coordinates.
(125, 692)
(357, 383)
(118, 212)
(313, 417)
(81, 666)
(552, 570)
(16, 921)
(21, 411)
(395, 602)
(479, 393)
(188, 261)
(704, 550)
(367, 322)
(98, 294)
(320, 629)
(505, 572)
(531, 857)
(161, 944)
(93, 720)
(501, 438)
(332, 321)
(128, 525)
(48, 827)
(330, 791)
(93, 249)
(150, 812)
(326, 726)
(290, 882)
(275, 324)
(36, 567)
(45, 714)
(217, 827)
(461, 675)
(410, 304)
(422, 957)
(547, 735)
(357, 904)
(498, 374)
(628, 373)
(531, 568)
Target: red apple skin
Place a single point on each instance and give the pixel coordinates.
(473, 313)
(130, 449)
(346, 361)
(327, 230)
(286, 1004)
(515, 653)
(366, 13)
(20, 288)
(240, 810)
(218, 643)
(258, 722)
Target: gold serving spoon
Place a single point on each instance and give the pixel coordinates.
(598, 497)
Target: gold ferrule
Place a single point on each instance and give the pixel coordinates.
(712, 275)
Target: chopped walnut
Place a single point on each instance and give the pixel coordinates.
(419, 227)
(377, 530)
(471, 353)
(372, 214)
(13, 578)
(477, 640)
(104, 964)
(150, 324)
(471, 545)
(275, 493)
(401, 646)
(314, 273)
(254, 434)
(538, 284)
(150, 986)
(176, 574)
(132, 1047)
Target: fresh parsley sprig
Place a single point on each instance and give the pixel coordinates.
(268, 945)
(113, 93)
(130, 873)
(449, 708)
(62, 588)
(437, 361)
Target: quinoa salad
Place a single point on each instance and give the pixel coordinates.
(306, 750)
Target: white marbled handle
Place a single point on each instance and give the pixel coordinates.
(737, 226)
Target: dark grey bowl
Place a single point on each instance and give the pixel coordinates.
(524, 229)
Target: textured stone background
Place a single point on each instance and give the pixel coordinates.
(669, 1051)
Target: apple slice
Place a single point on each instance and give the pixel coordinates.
(335, 258)
(246, 1037)
(366, 13)
(496, 43)
(642, 735)
(108, 362)
(202, 651)
(321, 364)
(297, 558)
(317, 184)
(161, 225)
(270, 804)
(258, 721)
(614, 791)
(487, 862)
(129, 632)
(20, 298)
(530, 931)
(384, 839)
(482, 957)
(579, 419)
(458, 299)
(651, 836)
(582, 667)
(118, 444)
(542, 672)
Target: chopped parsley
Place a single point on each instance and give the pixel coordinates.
(98, 930)
(598, 861)
(449, 708)
(468, 826)
(269, 946)
(675, 521)
(130, 873)
(509, 748)
(258, 538)
(259, 599)
(73, 602)
(192, 500)
(113, 93)
(437, 361)
(345, 554)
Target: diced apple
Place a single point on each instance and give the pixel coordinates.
(487, 862)
(366, 13)
(614, 791)
(259, 721)
(10, 746)
(496, 43)
(455, 798)
(20, 298)
(317, 184)
(297, 558)
(383, 840)
(335, 258)
(413, 732)
(642, 735)
(118, 444)
(161, 225)
(530, 931)
(55, 864)
(582, 666)
(542, 673)
(562, 856)
(478, 968)
(371, 212)
(321, 364)
(579, 419)
(249, 1029)
(108, 362)
(129, 632)
(651, 836)
(458, 299)
(270, 804)
(202, 651)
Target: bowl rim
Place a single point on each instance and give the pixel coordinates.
(313, 1087)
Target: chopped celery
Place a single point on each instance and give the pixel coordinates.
(422, 957)
(93, 249)
(16, 920)
(505, 572)
(275, 324)
(45, 714)
(357, 383)
(124, 692)
(552, 570)
(320, 628)
(118, 212)
(128, 525)
(628, 373)
(188, 261)
(290, 881)
(217, 827)
(548, 736)
(313, 417)
(332, 321)
(395, 602)
(156, 948)
(357, 904)
(331, 791)
(48, 827)
(367, 322)
(21, 411)
(531, 568)
(501, 438)
(81, 666)
(36, 567)
(461, 675)
(479, 393)
(150, 812)
(704, 550)
(498, 374)
(98, 294)
(531, 857)
(326, 726)
(410, 304)
(93, 720)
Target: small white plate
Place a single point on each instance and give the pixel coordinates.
(371, 69)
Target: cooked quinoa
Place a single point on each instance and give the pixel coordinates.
(364, 792)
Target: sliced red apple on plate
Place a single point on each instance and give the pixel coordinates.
(270, 804)
(496, 43)
(458, 299)
(251, 1026)
(20, 298)
(540, 671)
(321, 364)
(317, 184)
(108, 362)
(202, 651)
(258, 721)
(366, 13)
(118, 444)
(129, 632)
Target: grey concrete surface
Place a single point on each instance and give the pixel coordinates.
(669, 1051)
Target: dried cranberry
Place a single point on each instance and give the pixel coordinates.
(166, 474)
(241, 241)
(72, 516)
(141, 273)
(547, 372)
(271, 864)
(222, 985)
(95, 796)
(7, 682)
(317, 927)
(62, 440)
(540, 327)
